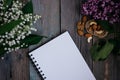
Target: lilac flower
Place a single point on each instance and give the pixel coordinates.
(102, 10)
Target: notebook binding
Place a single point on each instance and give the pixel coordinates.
(38, 67)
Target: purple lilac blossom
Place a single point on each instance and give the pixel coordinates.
(102, 10)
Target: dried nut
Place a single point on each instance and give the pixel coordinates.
(93, 23)
(80, 32)
(98, 27)
(88, 35)
(80, 25)
(89, 39)
(99, 32)
(90, 29)
(95, 27)
(84, 18)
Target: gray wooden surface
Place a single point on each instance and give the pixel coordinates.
(57, 17)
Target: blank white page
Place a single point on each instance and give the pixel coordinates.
(60, 59)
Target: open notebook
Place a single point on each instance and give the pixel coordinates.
(60, 59)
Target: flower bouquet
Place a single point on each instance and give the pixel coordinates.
(16, 20)
(99, 19)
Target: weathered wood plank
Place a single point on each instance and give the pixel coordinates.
(20, 65)
(117, 57)
(5, 68)
(49, 10)
(117, 67)
(70, 15)
(48, 25)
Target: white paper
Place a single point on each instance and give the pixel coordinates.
(60, 59)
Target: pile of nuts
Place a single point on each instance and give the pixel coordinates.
(91, 27)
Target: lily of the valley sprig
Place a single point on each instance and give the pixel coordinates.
(16, 26)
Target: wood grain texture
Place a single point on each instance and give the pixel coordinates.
(20, 65)
(70, 15)
(116, 58)
(5, 68)
(117, 67)
(49, 11)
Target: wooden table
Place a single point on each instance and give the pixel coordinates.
(57, 17)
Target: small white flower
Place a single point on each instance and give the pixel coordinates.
(21, 24)
(6, 33)
(34, 22)
(26, 45)
(31, 24)
(6, 36)
(29, 32)
(5, 48)
(9, 43)
(23, 37)
(33, 29)
(3, 36)
(22, 45)
(6, 42)
(19, 31)
(1, 40)
(3, 44)
(13, 42)
(2, 58)
(12, 36)
(18, 42)
(12, 49)
(19, 38)
(17, 47)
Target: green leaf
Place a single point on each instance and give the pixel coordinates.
(94, 51)
(9, 26)
(2, 51)
(100, 52)
(32, 39)
(28, 8)
(7, 3)
(106, 25)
